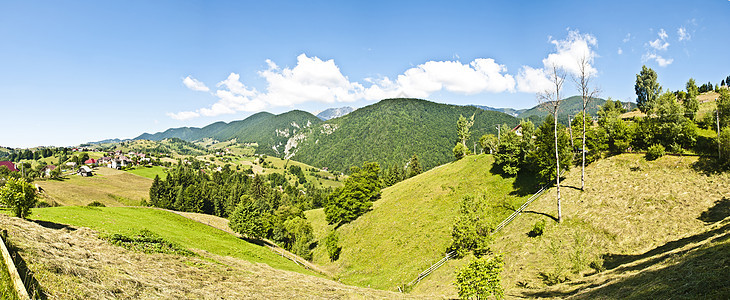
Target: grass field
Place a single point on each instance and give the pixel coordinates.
(74, 263)
(150, 171)
(173, 227)
(108, 186)
(409, 228)
(640, 220)
(7, 290)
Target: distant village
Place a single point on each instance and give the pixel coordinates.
(115, 160)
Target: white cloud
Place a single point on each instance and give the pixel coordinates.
(663, 62)
(620, 51)
(195, 85)
(566, 56)
(683, 34)
(627, 38)
(531, 80)
(480, 75)
(312, 79)
(183, 115)
(660, 43)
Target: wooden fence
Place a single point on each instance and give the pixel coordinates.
(14, 276)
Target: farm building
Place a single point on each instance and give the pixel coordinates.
(85, 171)
(47, 169)
(9, 164)
(90, 161)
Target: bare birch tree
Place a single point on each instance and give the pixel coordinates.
(550, 101)
(582, 81)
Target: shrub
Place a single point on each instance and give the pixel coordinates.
(148, 242)
(19, 195)
(481, 278)
(332, 243)
(654, 152)
(538, 229)
(460, 151)
(96, 204)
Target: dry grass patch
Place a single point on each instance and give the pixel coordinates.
(73, 263)
(108, 186)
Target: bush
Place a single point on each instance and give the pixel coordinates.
(460, 151)
(96, 204)
(147, 242)
(481, 278)
(538, 229)
(332, 243)
(19, 195)
(654, 152)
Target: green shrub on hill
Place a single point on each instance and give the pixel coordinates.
(481, 278)
(654, 152)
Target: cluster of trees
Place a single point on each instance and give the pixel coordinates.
(255, 208)
(355, 197)
(27, 154)
(395, 174)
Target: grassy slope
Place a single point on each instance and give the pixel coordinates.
(176, 228)
(409, 228)
(73, 263)
(150, 172)
(108, 186)
(7, 290)
(642, 220)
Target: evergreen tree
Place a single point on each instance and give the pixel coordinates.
(543, 158)
(155, 191)
(647, 89)
(414, 167)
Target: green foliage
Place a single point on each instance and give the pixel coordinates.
(332, 244)
(247, 219)
(647, 89)
(391, 131)
(481, 278)
(462, 128)
(19, 195)
(508, 158)
(299, 236)
(489, 143)
(669, 127)
(355, 197)
(460, 151)
(654, 152)
(472, 230)
(543, 160)
(414, 167)
(148, 242)
(538, 229)
(569, 107)
(724, 140)
(96, 204)
(723, 106)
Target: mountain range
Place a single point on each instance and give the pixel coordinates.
(388, 132)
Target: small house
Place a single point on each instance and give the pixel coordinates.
(10, 165)
(518, 130)
(47, 169)
(90, 161)
(85, 171)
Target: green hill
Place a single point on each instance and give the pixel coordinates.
(640, 230)
(569, 107)
(271, 132)
(391, 131)
(409, 228)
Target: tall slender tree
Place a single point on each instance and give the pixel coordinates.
(550, 101)
(647, 89)
(582, 81)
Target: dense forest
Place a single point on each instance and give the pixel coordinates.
(391, 131)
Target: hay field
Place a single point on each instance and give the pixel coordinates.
(108, 186)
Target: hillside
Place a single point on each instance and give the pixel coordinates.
(108, 186)
(391, 131)
(270, 132)
(409, 228)
(634, 230)
(72, 262)
(570, 107)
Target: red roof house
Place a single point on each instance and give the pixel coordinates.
(9, 164)
(90, 161)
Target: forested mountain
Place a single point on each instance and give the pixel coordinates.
(271, 132)
(391, 131)
(570, 107)
(510, 111)
(332, 113)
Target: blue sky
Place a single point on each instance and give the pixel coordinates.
(76, 71)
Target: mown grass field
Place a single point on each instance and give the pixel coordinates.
(173, 227)
(642, 221)
(150, 171)
(7, 290)
(75, 263)
(108, 186)
(409, 228)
